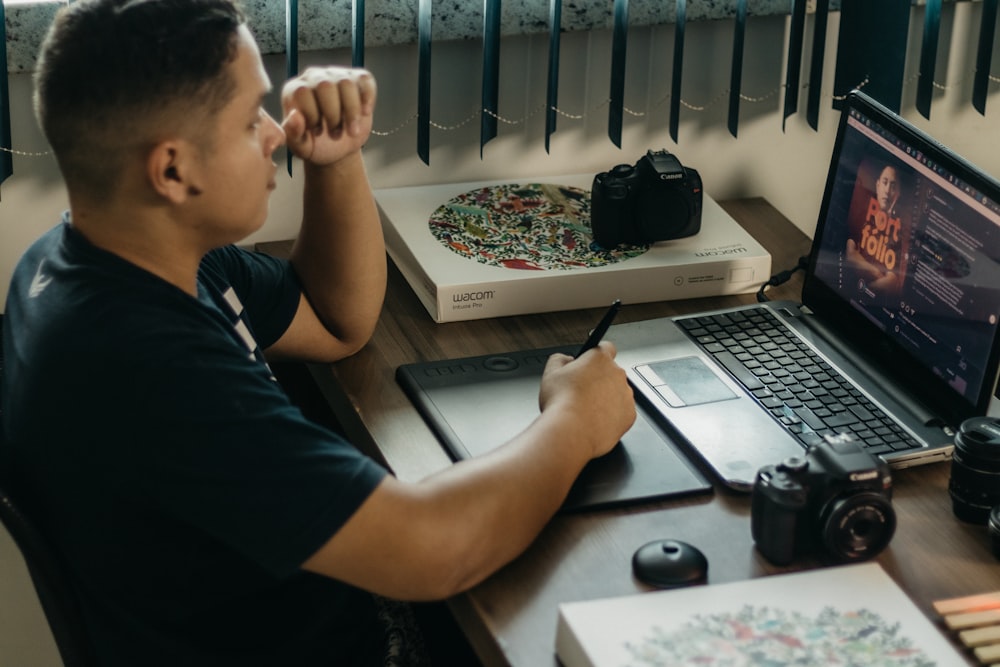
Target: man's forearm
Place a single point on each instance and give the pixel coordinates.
(339, 253)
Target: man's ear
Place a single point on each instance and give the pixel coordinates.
(171, 168)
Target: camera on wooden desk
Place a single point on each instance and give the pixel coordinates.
(658, 199)
(835, 499)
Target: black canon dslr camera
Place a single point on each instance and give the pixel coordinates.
(835, 497)
(656, 200)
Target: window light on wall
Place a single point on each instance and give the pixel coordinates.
(874, 60)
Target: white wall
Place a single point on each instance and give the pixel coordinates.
(787, 167)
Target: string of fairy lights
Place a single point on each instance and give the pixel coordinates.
(475, 114)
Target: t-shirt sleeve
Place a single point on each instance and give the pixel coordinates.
(229, 454)
(223, 448)
(268, 288)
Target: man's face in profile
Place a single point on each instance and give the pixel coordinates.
(887, 188)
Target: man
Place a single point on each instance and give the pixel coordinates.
(887, 190)
(203, 520)
(877, 255)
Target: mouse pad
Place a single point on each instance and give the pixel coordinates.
(476, 404)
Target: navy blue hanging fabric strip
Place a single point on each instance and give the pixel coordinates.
(816, 63)
(6, 143)
(871, 50)
(491, 72)
(852, 49)
(291, 51)
(358, 33)
(735, 79)
(678, 68)
(424, 81)
(928, 57)
(987, 31)
(794, 68)
(552, 91)
(619, 49)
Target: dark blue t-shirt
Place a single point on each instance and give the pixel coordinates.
(150, 441)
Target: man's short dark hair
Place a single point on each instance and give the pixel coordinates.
(113, 75)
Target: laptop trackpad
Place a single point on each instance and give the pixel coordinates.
(685, 382)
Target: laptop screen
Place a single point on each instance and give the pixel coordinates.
(908, 244)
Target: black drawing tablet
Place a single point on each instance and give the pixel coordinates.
(476, 404)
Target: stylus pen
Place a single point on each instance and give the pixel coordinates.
(602, 328)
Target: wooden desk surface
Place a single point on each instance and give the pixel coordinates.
(511, 617)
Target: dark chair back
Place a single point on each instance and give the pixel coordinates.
(55, 592)
(47, 572)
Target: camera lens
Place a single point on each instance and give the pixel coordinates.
(974, 485)
(858, 527)
(993, 528)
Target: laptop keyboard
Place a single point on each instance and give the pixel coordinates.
(803, 392)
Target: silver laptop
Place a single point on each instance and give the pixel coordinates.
(900, 298)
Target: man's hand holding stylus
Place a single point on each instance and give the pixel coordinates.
(596, 389)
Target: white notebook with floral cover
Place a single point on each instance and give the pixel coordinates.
(846, 615)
